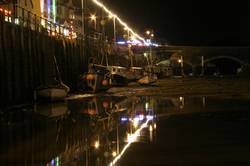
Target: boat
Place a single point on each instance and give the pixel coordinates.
(56, 91)
(119, 75)
(52, 92)
(165, 69)
(148, 79)
(122, 76)
(95, 80)
(137, 72)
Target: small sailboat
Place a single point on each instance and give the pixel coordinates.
(54, 92)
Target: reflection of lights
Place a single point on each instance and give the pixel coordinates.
(150, 133)
(121, 42)
(179, 61)
(97, 144)
(128, 136)
(114, 153)
(134, 42)
(150, 128)
(148, 32)
(52, 162)
(57, 161)
(132, 138)
(146, 105)
(141, 117)
(155, 126)
(124, 119)
(145, 55)
(150, 117)
(136, 122)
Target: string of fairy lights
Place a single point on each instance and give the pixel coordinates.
(111, 14)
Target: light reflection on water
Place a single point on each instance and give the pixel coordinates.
(94, 130)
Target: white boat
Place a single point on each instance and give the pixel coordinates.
(52, 93)
(122, 76)
(137, 72)
(148, 79)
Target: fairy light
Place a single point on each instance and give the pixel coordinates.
(119, 20)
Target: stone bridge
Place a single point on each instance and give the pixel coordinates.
(235, 58)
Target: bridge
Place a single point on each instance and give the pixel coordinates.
(237, 58)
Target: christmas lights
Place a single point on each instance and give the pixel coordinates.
(119, 20)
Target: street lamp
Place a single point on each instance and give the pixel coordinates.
(93, 18)
(150, 35)
(180, 61)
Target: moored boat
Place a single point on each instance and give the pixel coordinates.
(147, 79)
(93, 82)
(122, 76)
(52, 92)
(56, 90)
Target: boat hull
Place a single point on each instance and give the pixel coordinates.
(148, 79)
(93, 83)
(52, 93)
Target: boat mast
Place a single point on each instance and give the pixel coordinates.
(57, 70)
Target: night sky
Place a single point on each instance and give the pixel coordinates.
(189, 22)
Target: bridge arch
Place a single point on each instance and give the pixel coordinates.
(223, 65)
(225, 57)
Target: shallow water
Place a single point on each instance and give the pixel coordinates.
(120, 130)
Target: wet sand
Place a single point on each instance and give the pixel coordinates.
(189, 86)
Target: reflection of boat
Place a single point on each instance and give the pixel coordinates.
(101, 106)
(52, 110)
